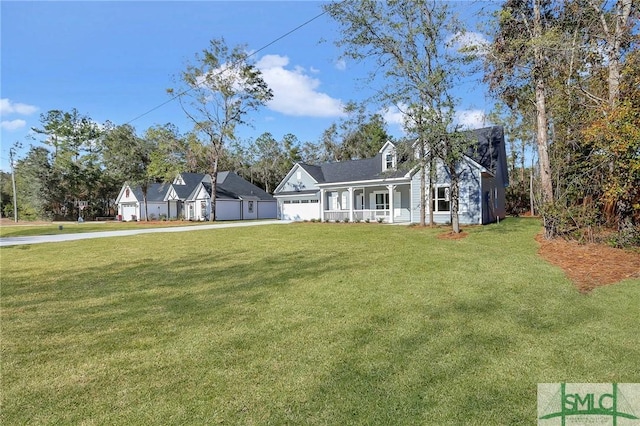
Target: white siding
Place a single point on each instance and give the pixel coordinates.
(228, 209)
(267, 209)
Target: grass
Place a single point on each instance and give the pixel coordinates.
(302, 324)
(26, 229)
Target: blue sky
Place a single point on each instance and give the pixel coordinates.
(114, 61)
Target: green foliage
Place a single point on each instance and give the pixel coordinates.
(217, 91)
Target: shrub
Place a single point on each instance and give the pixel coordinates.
(345, 220)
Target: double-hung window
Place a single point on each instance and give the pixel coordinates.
(382, 201)
(440, 199)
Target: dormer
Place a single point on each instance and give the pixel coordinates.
(389, 156)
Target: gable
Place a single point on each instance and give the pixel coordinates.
(298, 179)
(388, 157)
(126, 195)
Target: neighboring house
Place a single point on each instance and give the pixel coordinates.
(188, 197)
(380, 188)
(130, 202)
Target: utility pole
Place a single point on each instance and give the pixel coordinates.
(12, 154)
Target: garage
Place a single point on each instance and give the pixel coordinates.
(129, 212)
(300, 209)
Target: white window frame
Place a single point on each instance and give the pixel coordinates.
(385, 200)
(446, 197)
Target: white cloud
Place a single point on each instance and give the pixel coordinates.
(13, 124)
(470, 42)
(8, 107)
(468, 119)
(294, 91)
(341, 64)
(471, 119)
(393, 116)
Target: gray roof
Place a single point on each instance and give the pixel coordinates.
(155, 192)
(230, 183)
(351, 171)
(490, 151)
(229, 186)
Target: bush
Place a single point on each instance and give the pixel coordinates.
(345, 220)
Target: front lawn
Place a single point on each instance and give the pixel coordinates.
(302, 324)
(26, 229)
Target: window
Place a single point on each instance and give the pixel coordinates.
(388, 161)
(299, 175)
(203, 208)
(250, 207)
(441, 202)
(382, 201)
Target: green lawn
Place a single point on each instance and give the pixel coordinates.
(302, 324)
(26, 229)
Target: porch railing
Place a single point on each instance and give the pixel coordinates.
(372, 215)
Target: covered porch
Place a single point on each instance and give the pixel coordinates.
(388, 203)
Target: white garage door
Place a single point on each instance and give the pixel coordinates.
(305, 209)
(128, 210)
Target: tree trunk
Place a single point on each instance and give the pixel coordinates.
(423, 184)
(454, 195)
(432, 178)
(541, 121)
(214, 185)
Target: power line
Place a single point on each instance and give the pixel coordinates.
(173, 98)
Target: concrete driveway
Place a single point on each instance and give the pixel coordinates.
(37, 239)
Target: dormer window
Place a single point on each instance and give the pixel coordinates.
(388, 161)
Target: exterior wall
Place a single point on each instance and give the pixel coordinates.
(155, 209)
(493, 200)
(267, 209)
(299, 180)
(248, 213)
(469, 209)
(228, 209)
(338, 200)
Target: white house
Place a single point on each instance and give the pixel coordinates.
(189, 197)
(383, 188)
(130, 202)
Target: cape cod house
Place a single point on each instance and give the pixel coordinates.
(188, 197)
(383, 188)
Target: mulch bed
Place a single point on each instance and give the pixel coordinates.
(590, 265)
(452, 236)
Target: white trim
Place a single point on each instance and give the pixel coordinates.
(365, 183)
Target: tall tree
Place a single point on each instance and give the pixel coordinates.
(517, 71)
(74, 138)
(408, 41)
(171, 154)
(216, 92)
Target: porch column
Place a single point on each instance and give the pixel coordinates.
(391, 188)
(351, 200)
(321, 204)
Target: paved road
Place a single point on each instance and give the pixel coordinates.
(13, 241)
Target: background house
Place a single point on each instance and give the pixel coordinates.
(384, 188)
(188, 197)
